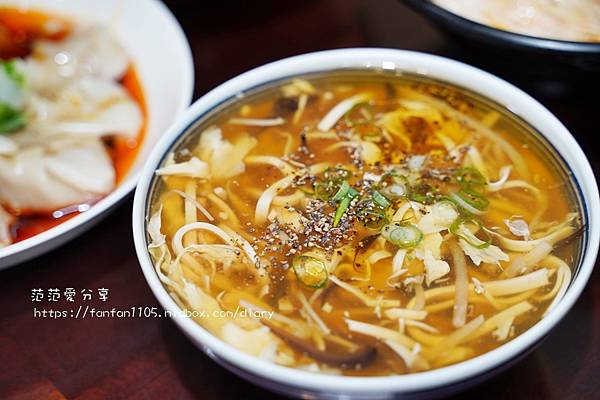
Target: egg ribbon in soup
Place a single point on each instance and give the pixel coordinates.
(64, 115)
(373, 226)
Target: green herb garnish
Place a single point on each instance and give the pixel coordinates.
(329, 186)
(469, 178)
(372, 215)
(11, 71)
(343, 205)
(472, 188)
(474, 199)
(11, 94)
(310, 271)
(402, 234)
(380, 199)
(10, 118)
(422, 193)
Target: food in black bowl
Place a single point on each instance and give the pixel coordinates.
(555, 40)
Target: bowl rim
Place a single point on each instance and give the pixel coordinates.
(488, 33)
(47, 240)
(436, 67)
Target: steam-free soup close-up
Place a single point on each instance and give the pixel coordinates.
(373, 224)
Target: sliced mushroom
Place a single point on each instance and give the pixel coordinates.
(335, 353)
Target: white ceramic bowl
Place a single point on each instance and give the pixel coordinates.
(426, 384)
(163, 60)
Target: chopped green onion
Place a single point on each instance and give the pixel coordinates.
(472, 183)
(474, 199)
(372, 214)
(342, 191)
(10, 118)
(343, 206)
(422, 193)
(337, 174)
(333, 179)
(12, 81)
(306, 191)
(322, 191)
(373, 220)
(380, 199)
(469, 177)
(310, 271)
(403, 235)
(394, 191)
(454, 229)
(341, 209)
(11, 71)
(393, 185)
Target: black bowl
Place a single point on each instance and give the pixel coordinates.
(543, 57)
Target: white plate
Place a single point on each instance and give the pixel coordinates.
(437, 382)
(163, 60)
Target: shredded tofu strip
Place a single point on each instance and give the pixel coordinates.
(502, 319)
(224, 207)
(290, 200)
(475, 157)
(519, 284)
(491, 254)
(523, 246)
(523, 263)
(419, 298)
(263, 204)
(455, 338)
(8, 146)
(502, 287)
(193, 168)
(312, 314)
(338, 111)
(300, 329)
(369, 301)
(566, 280)
(412, 359)
(369, 152)
(405, 313)
(189, 210)
(238, 242)
(257, 121)
(397, 269)
(302, 101)
(504, 175)
(418, 324)
(461, 283)
(278, 163)
(378, 256)
(157, 239)
(193, 201)
(379, 332)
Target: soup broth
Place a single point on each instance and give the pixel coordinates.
(364, 224)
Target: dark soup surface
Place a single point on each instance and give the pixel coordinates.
(364, 224)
